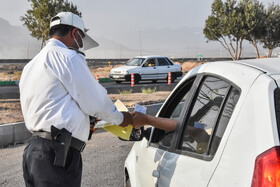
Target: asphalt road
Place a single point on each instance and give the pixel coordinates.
(103, 162)
(9, 89)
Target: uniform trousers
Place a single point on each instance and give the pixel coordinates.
(38, 168)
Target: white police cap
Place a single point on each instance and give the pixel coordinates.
(68, 18)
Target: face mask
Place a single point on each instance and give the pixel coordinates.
(82, 47)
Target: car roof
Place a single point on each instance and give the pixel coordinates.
(267, 65)
(151, 56)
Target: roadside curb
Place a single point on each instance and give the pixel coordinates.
(14, 83)
(111, 89)
(9, 83)
(15, 133)
(102, 80)
(138, 88)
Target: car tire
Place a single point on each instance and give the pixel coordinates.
(118, 82)
(127, 183)
(126, 179)
(173, 78)
(137, 78)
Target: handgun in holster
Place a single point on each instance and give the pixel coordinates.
(92, 121)
(60, 141)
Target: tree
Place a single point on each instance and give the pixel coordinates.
(255, 21)
(271, 39)
(37, 19)
(226, 25)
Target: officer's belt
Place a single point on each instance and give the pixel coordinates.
(75, 143)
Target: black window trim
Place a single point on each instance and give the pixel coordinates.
(182, 118)
(168, 64)
(165, 113)
(277, 107)
(170, 61)
(179, 131)
(217, 117)
(205, 157)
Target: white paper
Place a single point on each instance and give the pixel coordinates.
(102, 124)
(139, 108)
(120, 106)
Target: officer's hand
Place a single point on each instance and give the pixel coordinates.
(127, 119)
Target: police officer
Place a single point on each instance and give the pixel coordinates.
(58, 94)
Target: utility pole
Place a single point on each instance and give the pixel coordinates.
(197, 34)
(120, 52)
(140, 42)
(27, 51)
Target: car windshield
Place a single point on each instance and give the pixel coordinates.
(135, 62)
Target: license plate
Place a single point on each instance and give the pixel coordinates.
(116, 76)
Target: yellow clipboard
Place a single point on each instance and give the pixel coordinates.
(122, 132)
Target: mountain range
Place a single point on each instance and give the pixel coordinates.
(16, 42)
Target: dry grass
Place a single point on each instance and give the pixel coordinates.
(12, 73)
(187, 66)
(10, 110)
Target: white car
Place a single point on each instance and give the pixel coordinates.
(227, 132)
(147, 68)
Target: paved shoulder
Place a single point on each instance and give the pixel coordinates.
(103, 162)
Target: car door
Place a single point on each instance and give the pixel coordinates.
(192, 159)
(187, 157)
(149, 69)
(163, 68)
(148, 157)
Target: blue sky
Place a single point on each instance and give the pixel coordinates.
(121, 20)
(128, 14)
(123, 15)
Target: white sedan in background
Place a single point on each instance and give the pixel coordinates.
(234, 108)
(147, 68)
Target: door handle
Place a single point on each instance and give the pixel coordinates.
(156, 173)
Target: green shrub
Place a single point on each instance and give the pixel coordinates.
(148, 90)
(125, 92)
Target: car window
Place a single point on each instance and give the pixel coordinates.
(173, 108)
(135, 62)
(150, 63)
(162, 62)
(224, 119)
(171, 63)
(167, 136)
(201, 125)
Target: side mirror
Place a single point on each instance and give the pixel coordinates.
(139, 134)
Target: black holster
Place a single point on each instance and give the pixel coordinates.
(60, 141)
(92, 121)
